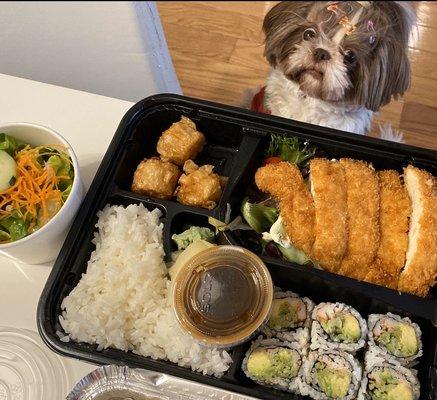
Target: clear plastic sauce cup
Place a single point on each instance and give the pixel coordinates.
(222, 295)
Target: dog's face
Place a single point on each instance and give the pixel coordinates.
(353, 52)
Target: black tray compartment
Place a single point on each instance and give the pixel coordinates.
(236, 140)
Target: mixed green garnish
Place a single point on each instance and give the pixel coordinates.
(191, 235)
(34, 184)
(290, 149)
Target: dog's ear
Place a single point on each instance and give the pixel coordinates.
(387, 74)
(280, 23)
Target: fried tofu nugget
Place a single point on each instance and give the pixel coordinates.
(363, 218)
(181, 142)
(420, 271)
(156, 178)
(394, 213)
(329, 190)
(199, 186)
(284, 182)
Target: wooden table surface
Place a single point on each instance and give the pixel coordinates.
(217, 52)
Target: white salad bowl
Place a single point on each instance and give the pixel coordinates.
(44, 244)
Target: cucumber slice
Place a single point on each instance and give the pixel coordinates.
(8, 171)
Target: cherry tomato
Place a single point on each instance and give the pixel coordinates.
(272, 160)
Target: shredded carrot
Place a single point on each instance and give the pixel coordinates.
(34, 188)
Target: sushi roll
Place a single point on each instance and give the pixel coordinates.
(273, 363)
(330, 375)
(395, 337)
(290, 317)
(337, 326)
(388, 380)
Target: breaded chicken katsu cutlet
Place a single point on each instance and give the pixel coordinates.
(284, 182)
(394, 213)
(363, 218)
(420, 270)
(328, 187)
(360, 223)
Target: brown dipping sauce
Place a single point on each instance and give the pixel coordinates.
(222, 295)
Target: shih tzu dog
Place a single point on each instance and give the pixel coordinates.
(335, 63)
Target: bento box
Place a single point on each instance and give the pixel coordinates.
(236, 141)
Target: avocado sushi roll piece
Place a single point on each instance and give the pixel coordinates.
(330, 375)
(273, 363)
(337, 326)
(290, 317)
(388, 380)
(395, 337)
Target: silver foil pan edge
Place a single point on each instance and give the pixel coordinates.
(113, 382)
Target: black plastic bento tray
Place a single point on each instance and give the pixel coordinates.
(236, 139)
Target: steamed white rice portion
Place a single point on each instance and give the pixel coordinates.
(122, 300)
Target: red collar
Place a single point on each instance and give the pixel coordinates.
(258, 103)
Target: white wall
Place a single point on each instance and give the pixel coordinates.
(116, 49)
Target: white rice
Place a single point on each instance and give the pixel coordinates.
(122, 301)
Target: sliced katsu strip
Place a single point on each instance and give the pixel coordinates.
(363, 218)
(420, 270)
(394, 212)
(284, 182)
(328, 187)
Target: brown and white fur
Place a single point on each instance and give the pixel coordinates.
(324, 73)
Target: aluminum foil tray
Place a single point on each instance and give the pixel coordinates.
(112, 382)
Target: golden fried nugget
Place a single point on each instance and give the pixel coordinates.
(363, 218)
(394, 213)
(156, 178)
(181, 142)
(329, 190)
(199, 186)
(284, 182)
(420, 271)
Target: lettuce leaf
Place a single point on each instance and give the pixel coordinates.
(4, 235)
(258, 216)
(66, 193)
(18, 229)
(10, 144)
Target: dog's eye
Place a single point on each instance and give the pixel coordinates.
(350, 57)
(309, 34)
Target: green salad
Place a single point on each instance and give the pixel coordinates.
(35, 182)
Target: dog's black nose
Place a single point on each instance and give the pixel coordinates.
(321, 55)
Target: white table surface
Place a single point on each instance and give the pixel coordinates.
(88, 122)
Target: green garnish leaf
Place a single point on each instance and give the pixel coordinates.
(10, 145)
(290, 149)
(55, 163)
(66, 193)
(293, 254)
(4, 236)
(259, 217)
(12, 181)
(7, 221)
(62, 168)
(18, 229)
(191, 235)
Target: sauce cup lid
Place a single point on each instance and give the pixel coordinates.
(222, 295)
